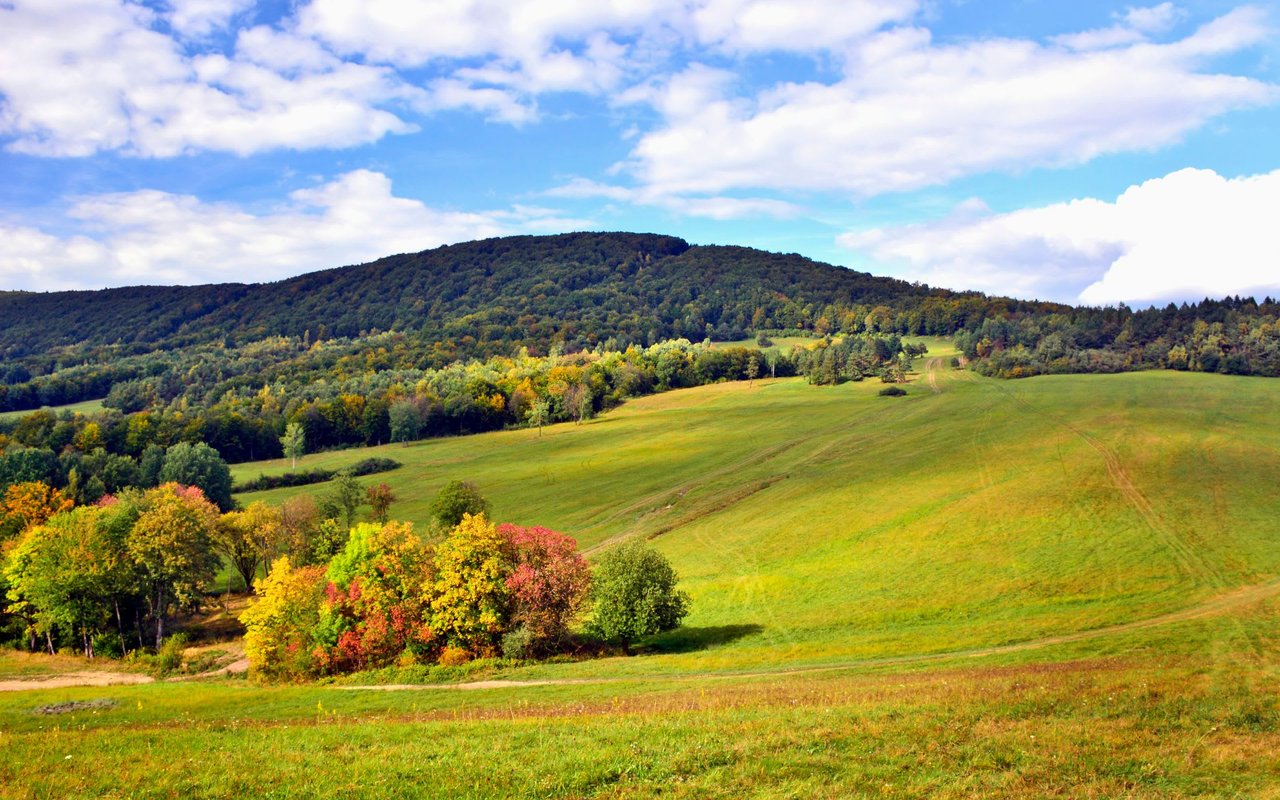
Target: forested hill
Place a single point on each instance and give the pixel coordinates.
(485, 297)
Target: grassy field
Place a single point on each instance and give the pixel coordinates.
(1064, 585)
(83, 407)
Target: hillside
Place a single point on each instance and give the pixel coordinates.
(1058, 587)
(577, 288)
(817, 524)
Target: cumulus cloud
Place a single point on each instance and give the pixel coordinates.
(114, 81)
(159, 237)
(195, 18)
(911, 113)
(1185, 236)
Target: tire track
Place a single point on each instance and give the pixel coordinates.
(1215, 606)
(1181, 547)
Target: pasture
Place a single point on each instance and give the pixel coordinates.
(1064, 585)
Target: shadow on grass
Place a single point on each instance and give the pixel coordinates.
(688, 640)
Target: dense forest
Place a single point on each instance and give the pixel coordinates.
(473, 300)
(472, 337)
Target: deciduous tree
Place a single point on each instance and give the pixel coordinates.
(635, 594)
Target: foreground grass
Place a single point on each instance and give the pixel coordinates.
(1177, 725)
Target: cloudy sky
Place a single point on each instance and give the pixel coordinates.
(1081, 151)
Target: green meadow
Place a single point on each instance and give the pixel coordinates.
(83, 407)
(1062, 585)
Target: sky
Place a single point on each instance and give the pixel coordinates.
(1087, 152)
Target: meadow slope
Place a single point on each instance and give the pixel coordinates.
(1063, 585)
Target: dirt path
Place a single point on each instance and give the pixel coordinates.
(931, 371)
(1229, 601)
(65, 680)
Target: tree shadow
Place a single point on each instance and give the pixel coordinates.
(689, 640)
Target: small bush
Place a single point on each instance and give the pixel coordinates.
(454, 656)
(517, 644)
(368, 466)
(107, 645)
(892, 391)
(169, 656)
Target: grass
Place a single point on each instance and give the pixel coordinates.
(946, 594)
(83, 407)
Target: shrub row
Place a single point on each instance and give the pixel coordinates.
(369, 466)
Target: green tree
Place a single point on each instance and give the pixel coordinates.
(250, 538)
(539, 413)
(345, 496)
(405, 421)
(294, 442)
(199, 465)
(172, 545)
(455, 500)
(635, 595)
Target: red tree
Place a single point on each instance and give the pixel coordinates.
(549, 583)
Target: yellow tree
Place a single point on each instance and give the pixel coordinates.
(26, 505)
(279, 626)
(470, 606)
(172, 545)
(250, 538)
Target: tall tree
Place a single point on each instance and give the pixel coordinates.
(294, 442)
(250, 538)
(172, 545)
(199, 465)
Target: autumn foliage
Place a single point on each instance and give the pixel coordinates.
(388, 598)
(548, 585)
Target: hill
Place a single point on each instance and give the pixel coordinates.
(578, 289)
(1061, 586)
(831, 523)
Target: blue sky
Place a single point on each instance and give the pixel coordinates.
(1089, 152)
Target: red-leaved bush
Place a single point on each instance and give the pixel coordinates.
(549, 583)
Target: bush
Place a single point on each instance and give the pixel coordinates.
(107, 645)
(169, 656)
(457, 499)
(368, 466)
(635, 595)
(517, 644)
(454, 656)
(892, 391)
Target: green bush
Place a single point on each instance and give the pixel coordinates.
(635, 595)
(107, 645)
(892, 391)
(517, 644)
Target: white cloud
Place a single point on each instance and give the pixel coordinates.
(195, 18)
(764, 25)
(1189, 235)
(909, 113)
(158, 237)
(718, 208)
(112, 81)
(1131, 27)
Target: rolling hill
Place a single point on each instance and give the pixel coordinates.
(1061, 586)
(579, 288)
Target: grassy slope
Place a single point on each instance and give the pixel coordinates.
(815, 524)
(812, 526)
(83, 407)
